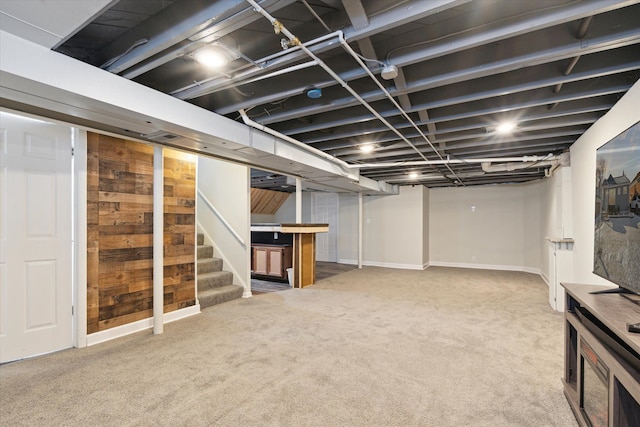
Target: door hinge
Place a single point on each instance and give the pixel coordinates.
(72, 311)
(73, 151)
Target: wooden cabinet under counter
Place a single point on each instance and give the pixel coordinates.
(271, 260)
(304, 249)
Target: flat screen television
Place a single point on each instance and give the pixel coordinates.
(616, 255)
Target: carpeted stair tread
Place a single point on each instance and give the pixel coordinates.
(215, 279)
(208, 265)
(215, 285)
(209, 297)
(205, 251)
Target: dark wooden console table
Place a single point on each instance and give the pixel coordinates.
(602, 362)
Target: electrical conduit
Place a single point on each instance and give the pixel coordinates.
(294, 41)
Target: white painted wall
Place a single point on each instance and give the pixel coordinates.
(348, 236)
(262, 218)
(533, 240)
(226, 186)
(583, 165)
(486, 227)
(287, 212)
(393, 229)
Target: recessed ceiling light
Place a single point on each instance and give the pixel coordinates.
(506, 127)
(366, 148)
(211, 57)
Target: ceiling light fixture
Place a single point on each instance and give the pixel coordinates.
(413, 175)
(314, 92)
(506, 127)
(366, 148)
(211, 57)
(389, 72)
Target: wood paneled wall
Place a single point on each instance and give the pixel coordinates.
(179, 230)
(120, 232)
(267, 201)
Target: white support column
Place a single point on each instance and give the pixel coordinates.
(298, 201)
(248, 248)
(158, 240)
(359, 230)
(195, 231)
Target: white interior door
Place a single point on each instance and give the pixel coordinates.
(35, 237)
(325, 211)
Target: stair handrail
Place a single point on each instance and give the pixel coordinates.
(222, 219)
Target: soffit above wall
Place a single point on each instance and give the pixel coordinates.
(49, 23)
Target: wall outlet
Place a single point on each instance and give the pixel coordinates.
(473, 209)
(473, 258)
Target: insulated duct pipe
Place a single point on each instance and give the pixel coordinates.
(294, 41)
(315, 151)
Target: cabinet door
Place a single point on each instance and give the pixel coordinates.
(260, 260)
(275, 262)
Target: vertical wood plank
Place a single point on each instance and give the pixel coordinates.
(179, 230)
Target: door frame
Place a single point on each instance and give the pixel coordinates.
(79, 256)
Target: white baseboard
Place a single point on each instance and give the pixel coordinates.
(532, 270)
(174, 315)
(485, 266)
(545, 278)
(140, 325)
(447, 264)
(385, 264)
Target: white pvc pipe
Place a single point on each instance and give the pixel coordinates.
(158, 239)
(454, 161)
(296, 42)
(508, 167)
(239, 77)
(280, 72)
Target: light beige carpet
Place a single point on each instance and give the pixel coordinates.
(370, 347)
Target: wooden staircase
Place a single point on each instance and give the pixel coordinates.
(214, 285)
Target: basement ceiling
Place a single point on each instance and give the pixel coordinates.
(272, 181)
(444, 75)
